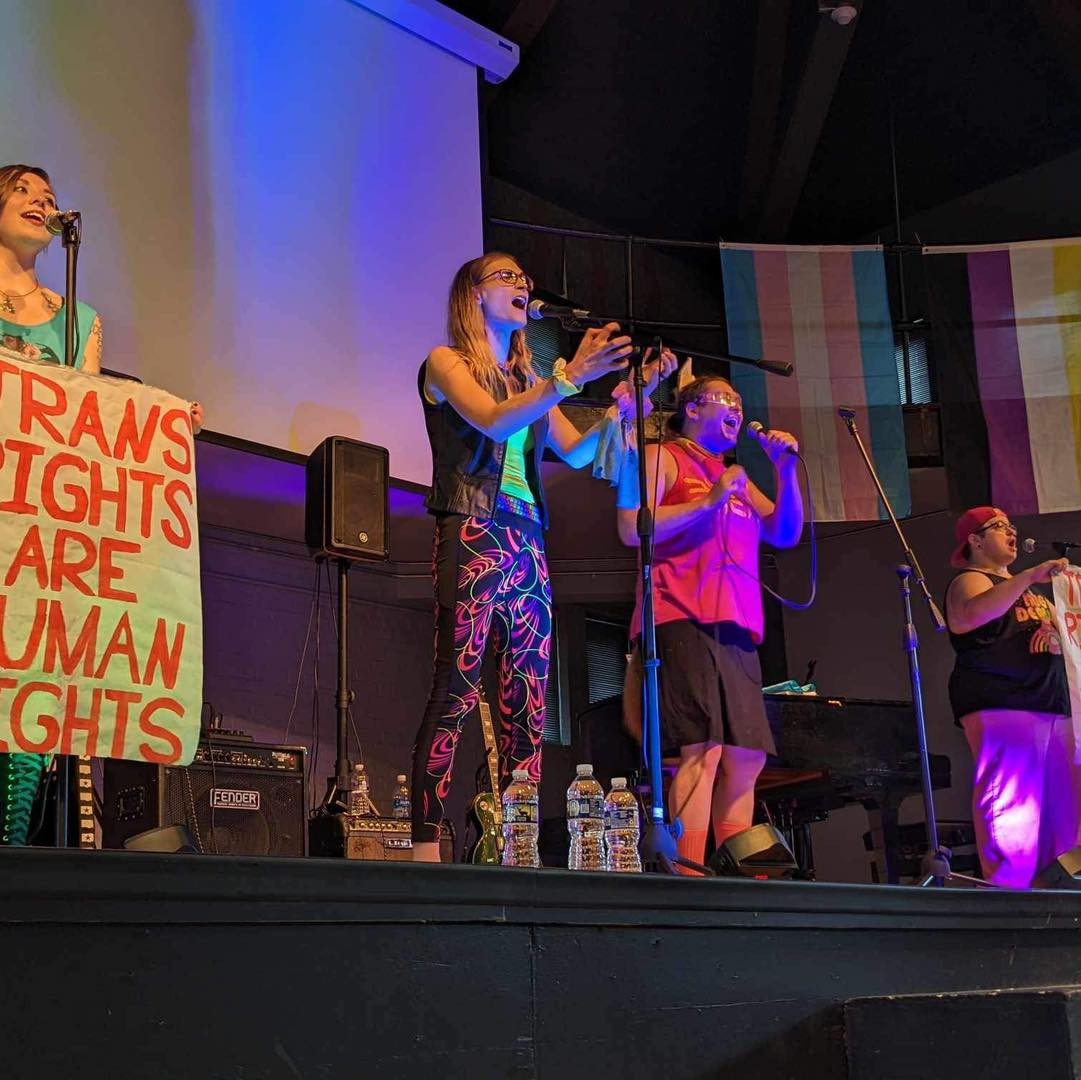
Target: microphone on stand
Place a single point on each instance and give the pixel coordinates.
(756, 431)
(1060, 547)
(59, 220)
(541, 309)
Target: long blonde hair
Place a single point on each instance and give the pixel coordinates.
(465, 327)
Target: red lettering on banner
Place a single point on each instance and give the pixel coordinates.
(65, 570)
(57, 647)
(150, 481)
(118, 496)
(154, 731)
(1073, 580)
(5, 684)
(30, 649)
(26, 452)
(130, 438)
(165, 656)
(37, 411)
(76, 512)
(73, 722)
(120, 644)
(48, 723)
(88, 422)
(108, 573)
(1071, 627)
(181, 439)
(181, 537)
(122, 699)
(31, 553)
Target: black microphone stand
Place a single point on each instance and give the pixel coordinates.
(71, 237)
(658, 839)
(935, 864)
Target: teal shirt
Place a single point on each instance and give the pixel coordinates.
(514, 480)
(49, 336)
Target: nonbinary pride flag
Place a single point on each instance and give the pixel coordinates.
(826, 311)
(1007, 331)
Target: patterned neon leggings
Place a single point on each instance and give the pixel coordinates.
(491, 581)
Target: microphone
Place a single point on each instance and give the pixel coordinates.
(1060, 547)
(540, 309)
(59, 220)
(756, 431)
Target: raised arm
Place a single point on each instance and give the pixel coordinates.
(448, 378)
(972, 600)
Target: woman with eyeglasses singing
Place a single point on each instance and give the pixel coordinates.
(1009, 695)
(489, 418)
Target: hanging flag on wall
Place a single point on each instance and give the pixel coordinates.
(1007, 331)
(826, 311)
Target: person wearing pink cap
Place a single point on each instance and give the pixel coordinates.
(1009, 695)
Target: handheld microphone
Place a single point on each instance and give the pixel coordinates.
(59, 220)
(540, 309)
(756, 431)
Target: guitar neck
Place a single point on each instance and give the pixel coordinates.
(492, 754)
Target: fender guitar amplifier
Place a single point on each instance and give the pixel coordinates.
(237, 797)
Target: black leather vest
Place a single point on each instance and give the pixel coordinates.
(467, 466)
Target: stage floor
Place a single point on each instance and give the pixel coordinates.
(131, 965)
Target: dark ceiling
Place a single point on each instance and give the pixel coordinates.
(763, 120)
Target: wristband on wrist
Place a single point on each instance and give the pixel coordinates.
(563, 385)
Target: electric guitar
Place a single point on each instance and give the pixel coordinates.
(485, 807)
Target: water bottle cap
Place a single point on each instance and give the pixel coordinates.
(584, 770)
(520, 774)
(401, 778)
(618, 782)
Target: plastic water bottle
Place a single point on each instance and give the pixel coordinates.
(621, 829)
(585, 821)
(520, 829)
(401, 807)
(360, 803)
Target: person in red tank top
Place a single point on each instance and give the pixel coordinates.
(708, 521)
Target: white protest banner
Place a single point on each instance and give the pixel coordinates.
(101, 636)
(1067, 589)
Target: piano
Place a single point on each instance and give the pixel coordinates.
(832, 752)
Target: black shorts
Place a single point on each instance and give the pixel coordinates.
(710, 687)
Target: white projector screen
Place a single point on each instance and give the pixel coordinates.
(275, 195)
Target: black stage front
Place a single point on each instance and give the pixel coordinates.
(125, 965)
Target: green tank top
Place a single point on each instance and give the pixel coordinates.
(514, 480)
(49, 336)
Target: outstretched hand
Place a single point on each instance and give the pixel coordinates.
(653, 370)
(601, 350)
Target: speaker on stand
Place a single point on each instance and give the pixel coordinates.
(346, 519)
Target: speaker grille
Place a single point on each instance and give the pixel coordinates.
(347, 488)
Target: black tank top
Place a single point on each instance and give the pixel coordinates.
(1012, 662)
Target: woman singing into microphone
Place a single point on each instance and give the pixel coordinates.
(489, 418)
(32, 317)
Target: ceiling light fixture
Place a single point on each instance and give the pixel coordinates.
(842, 14)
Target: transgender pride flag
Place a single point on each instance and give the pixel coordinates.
(826, 311)
(1007, 326)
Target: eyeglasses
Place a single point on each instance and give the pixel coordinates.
(510, 277)
(999, 526)
(727, 400)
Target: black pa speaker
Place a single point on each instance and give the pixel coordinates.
(236, 798)
(346, 500)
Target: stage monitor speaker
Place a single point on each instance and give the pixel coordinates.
(346, 513)
(758, 852)
(1063, 873)
(237, 797)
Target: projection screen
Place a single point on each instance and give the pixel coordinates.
(275, 196)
